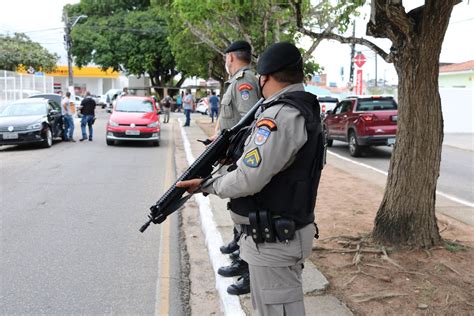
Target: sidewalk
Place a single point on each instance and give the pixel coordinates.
(317, 301)
(458, 140)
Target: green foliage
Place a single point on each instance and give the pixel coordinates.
(20, 50)
(124, 35)
(200, 30)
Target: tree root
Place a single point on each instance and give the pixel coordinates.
(371, 297)
(390, 260)
(451, 268)
(341, 250)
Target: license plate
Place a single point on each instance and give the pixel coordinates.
(132, 132)
(10, 135)
(390, 141)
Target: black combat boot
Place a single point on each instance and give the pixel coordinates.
(235, 255)
(237, 267)
(231, 246)
(242, 286)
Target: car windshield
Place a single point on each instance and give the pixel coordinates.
(382, 104)
(24, 109)
(142, 106)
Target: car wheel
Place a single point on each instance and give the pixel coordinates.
(354, 149)
(326, 137)
(48, 138)
(110, 142)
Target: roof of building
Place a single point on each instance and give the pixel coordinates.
(465, 66)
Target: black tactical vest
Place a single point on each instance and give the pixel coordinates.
(292, 192)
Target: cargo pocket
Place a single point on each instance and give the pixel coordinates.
(226, 107)
(282, 295)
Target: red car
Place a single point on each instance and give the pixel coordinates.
(134, 119)
(362, 121)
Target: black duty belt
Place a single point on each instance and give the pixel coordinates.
(267, 228)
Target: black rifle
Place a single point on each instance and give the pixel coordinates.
(202, 167)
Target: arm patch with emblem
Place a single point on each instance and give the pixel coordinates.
(245, 86)
(252, 158)
(269, 123)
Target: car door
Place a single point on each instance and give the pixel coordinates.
(344, 117)
(330, 120)
(54, 118)
(336, 122)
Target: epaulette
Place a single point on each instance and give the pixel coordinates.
(240, 75)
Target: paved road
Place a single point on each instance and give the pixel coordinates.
(457, 167)
(69, 228)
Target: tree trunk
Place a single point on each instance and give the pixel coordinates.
(407, 213)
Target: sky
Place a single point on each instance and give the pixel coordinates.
(41, 21)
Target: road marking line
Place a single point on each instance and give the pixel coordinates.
(163, 280)
(449, 197)
(230, 304)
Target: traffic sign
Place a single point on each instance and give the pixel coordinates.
(359, 60)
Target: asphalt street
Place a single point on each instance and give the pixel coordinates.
(457, 167)
(70, 216)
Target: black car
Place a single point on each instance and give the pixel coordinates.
(31, 121)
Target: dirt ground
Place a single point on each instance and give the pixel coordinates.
(438, 281)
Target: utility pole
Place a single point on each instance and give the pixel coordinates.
(351, 69)
(375, 69)
(69, 24)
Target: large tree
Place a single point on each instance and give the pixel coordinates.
(200, 31)
(19, 49)
(130, 36)
(406, 215)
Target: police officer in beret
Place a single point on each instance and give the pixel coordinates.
(241, 93)
(275, 183)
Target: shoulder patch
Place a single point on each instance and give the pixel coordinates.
(245, 86)
(262, 135)
(269, 123)
(240, 75)
(252, 158)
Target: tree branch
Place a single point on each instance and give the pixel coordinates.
(348, 40)
(204, 38)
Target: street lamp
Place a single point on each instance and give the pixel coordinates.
(67, 38)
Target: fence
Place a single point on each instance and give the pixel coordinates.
(14, 86)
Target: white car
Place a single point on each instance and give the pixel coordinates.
(202, 107)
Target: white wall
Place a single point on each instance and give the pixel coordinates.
(458, 109)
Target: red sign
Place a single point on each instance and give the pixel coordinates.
(359, 60)
(358, 87)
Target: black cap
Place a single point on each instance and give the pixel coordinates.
(238, 45)
(279, 56)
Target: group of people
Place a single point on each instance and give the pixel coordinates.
(272, 187)
(86, 108)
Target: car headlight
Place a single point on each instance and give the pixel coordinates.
(112, 123)
(154, 124)
(34, 126)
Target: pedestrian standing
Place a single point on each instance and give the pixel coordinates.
(274, 185)
(240, 95)
(68, 118)
(179, 101)
(88, 116)
(166, 102)
(188, 105)
(214, 102)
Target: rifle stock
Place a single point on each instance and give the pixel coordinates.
(173, 198)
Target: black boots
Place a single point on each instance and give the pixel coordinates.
(242, 286)
(230, 247)
(236, 268)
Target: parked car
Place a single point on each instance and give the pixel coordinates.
(362, 121)
(327, 103)
(31, 121)
(134, 119)
(202, 106)
(110, 93)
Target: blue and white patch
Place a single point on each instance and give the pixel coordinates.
(245, 94)
(262, 135)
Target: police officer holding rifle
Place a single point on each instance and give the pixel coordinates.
(274, 184)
